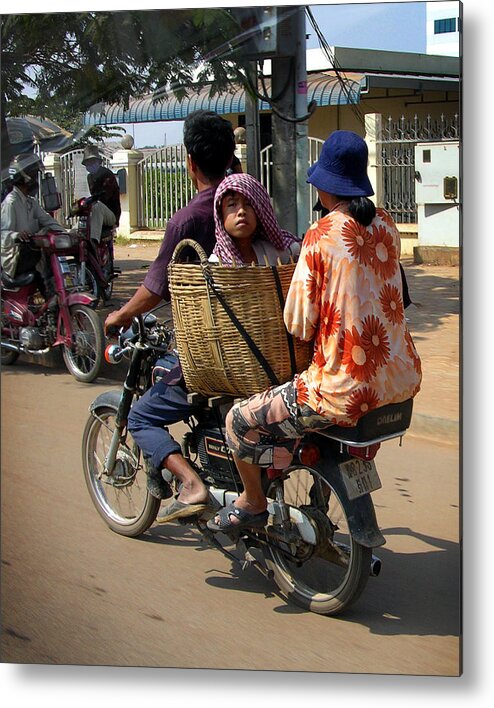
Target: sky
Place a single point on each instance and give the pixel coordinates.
(366, 26)
(357, 25)
(395, 26)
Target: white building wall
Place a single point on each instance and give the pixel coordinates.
(444, 43)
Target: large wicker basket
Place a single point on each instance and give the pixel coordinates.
(211, 303)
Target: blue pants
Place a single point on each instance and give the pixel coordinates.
(160, 406)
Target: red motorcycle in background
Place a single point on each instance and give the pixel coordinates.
(93, 263)
(35, 323)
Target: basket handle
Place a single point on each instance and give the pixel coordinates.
(190, 243)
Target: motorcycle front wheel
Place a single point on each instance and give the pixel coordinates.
(8, 356)
(84, 357)
(329, 577)
(121, 498)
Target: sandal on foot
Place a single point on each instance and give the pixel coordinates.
(156, 485)
(244, 519)
(178, 510)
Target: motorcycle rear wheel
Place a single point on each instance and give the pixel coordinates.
(85, 357)
(108, 270)
(121, 499)
(91, 285)
(318, 583)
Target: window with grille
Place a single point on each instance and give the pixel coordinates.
(443, 26)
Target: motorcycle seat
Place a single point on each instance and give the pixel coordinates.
(19, 281)
(386, 421)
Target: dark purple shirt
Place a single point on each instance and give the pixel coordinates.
(195, 221)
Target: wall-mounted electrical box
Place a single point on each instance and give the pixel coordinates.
(437, 192)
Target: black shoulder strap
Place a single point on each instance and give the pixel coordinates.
(289, 338)
(252, 345)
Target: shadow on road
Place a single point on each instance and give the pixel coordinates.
(415, 594)
(436, 294)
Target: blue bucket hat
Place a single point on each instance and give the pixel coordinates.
(342, 166)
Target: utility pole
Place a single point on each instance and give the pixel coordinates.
(278, 33)
(290, 134)
(252, 129)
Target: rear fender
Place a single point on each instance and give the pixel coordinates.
(80, 299)
(360, 512)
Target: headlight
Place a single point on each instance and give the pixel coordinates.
(63, 241)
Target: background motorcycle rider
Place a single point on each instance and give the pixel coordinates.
(22, 216)
(103, 184)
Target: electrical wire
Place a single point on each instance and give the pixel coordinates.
(338, 69)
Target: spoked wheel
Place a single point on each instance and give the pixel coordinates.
(84, 357)
(108, 271)
(8, 356)
(122, 498)
(328, 577)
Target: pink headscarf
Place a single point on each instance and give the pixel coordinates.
(267, 224)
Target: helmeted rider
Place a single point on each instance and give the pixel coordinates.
(22, 216)
(103, 184)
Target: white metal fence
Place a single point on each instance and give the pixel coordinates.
(164, 186)
(396, 158)
(73, 178)
(266, 165)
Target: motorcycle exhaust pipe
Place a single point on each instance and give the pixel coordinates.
(375, 566)
(11, 347)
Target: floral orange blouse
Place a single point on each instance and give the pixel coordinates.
(346, 295)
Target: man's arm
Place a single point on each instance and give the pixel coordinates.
(142, 301)
(45, 220)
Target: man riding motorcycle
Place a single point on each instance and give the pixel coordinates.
(103, 184)
(23, 216)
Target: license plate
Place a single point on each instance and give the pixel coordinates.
(360, 477)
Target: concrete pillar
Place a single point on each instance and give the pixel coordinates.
(372, 133)
(127, 159)
(241, 153)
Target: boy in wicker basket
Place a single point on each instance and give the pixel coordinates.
(246, 231)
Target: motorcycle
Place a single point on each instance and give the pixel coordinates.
(93, 263)
(33, 323)
(318, 543)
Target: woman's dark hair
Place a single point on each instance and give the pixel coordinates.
(209, 140)
(362, 209)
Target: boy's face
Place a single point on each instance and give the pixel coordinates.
(239, 217)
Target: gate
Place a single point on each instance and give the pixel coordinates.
(266, 164)
(396, 142)
(73, 179)
(164, 186)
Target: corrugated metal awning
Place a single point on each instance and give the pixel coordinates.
(326, 88)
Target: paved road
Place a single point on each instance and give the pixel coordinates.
(75, 593)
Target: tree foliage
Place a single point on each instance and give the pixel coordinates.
(59, 65)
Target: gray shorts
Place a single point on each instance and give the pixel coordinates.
(266, 428)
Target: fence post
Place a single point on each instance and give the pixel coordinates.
(126, 159)
(372, 135)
